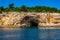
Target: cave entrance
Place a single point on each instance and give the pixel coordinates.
(33, 24)
(31, 20)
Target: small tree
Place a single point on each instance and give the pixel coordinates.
(23, 8)
(11, 7)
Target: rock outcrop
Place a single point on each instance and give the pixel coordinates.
(24, 19)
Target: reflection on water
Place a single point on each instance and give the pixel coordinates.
(30, 34)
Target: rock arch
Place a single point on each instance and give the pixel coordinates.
(31, 20)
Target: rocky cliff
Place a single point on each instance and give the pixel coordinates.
(24, 19)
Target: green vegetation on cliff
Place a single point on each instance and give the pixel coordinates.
(28, 9)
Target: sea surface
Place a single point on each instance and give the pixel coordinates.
(30, 34)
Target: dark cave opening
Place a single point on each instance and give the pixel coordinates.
(33, 24)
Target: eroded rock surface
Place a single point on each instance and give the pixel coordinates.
(16, 19)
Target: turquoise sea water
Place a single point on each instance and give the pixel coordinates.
(30, 34)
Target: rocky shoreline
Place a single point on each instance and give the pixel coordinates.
(24, 19)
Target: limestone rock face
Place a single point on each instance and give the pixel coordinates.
(10, 19)
(30, 20)
(16, 19)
